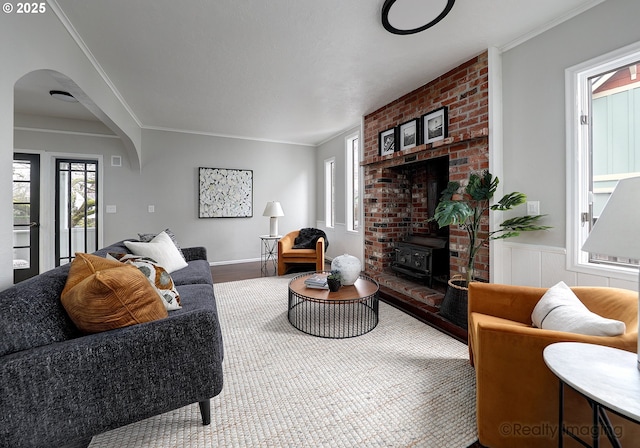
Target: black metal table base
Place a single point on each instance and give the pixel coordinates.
(600, 419)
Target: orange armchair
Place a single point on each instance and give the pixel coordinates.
(288, 256)
(516, 394)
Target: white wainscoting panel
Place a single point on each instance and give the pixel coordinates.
(526, 267)
(544, 266)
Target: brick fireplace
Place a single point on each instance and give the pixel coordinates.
(401, 190)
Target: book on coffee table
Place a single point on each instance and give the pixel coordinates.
(317, 281)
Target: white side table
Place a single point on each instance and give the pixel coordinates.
(607, 377)
(269, 254)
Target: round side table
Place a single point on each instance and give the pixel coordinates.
(608, 378)
(269, 255)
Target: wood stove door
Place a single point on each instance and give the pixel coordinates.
(403, 256)
(420, 261)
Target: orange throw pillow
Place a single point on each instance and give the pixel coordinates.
(102, 294)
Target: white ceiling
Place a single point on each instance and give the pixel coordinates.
(298, 71)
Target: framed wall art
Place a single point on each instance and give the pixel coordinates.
(435, 125)
(409, 134)
(388, 141)
(225, 193)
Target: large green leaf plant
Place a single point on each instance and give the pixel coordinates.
(466, 206)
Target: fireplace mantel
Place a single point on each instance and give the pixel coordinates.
(426, 151)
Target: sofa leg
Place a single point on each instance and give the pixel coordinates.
(205, 411)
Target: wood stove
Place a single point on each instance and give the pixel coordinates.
(422, 257)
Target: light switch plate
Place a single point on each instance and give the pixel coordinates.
(533, 208)
(111, 209)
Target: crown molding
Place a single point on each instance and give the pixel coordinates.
(555, 22)
(215, 134)
(60, 131)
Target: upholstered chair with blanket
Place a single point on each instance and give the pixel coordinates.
(517, 395)
(304, 246)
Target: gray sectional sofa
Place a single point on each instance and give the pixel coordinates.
(59, 387)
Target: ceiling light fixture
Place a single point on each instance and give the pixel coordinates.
(413, 16)
(63, 96)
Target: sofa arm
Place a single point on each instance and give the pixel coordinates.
(498, 340)
(99, 382)
(320, 246)
(195, 253)
(286, 242)
(506, 301)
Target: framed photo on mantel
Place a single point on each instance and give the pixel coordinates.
(388, 141)
(435, 125)
(409, 134)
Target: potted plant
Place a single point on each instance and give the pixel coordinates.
(334, 280)
(465, 206)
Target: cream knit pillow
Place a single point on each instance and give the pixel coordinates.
(560, 309)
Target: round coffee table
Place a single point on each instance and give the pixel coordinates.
(351, 311)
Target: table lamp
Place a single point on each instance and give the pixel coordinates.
(615, 233)
(273, 210)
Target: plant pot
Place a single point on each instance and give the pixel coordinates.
(454, 304)
(333, 284)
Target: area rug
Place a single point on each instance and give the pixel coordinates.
(404, 384)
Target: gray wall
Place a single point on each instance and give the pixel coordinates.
(340, 239)
(534, 105)
(169, 181)
(281, 172)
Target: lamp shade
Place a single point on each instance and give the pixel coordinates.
(615, 233)
(273, 209)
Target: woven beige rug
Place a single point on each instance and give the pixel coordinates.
(404, 384)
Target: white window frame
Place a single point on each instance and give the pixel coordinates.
(350, 202)
(577, 103)
(329, 192)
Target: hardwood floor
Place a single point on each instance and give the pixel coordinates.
(245, 271)
(239, 271)
(234, 272)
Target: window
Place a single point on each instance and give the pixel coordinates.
(353, 183)
(76, 208)
(329, 192)
(603, 146)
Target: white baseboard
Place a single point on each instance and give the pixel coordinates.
(221, 263)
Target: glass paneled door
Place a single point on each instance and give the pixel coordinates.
(76, 208)
(26, 216)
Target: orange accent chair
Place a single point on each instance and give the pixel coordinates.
(517, 395)
(288, 256)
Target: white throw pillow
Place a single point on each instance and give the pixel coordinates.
(162, 250)
(560, 309)
(146, 237)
